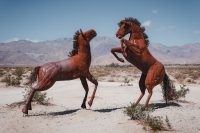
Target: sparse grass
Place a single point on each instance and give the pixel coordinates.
(12, 76)
(113, 65)
(182, 92)
(168, 123)
(2, 73)
(183, 74)
(19, 72)
(11, 81)
(39, 97)
(126, 82)
(154, 123)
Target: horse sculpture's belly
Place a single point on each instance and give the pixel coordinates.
(140, 65)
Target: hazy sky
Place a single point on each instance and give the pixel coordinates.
(171, 22)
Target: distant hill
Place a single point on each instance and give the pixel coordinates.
(25, 52)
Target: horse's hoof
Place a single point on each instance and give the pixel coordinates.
(25, 110)
(90, 103)
(83, 106)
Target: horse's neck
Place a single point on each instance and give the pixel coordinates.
(135, 36)
(84, 52)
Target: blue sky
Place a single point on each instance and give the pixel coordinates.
(170, 22)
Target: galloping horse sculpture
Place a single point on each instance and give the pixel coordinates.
(77, 66)
(135, 50)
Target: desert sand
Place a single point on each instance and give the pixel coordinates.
(105, 116)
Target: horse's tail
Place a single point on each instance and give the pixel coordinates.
(33, 76)
(168, 89)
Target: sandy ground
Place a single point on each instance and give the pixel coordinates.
(105, 116)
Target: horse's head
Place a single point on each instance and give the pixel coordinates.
(81, 41)
(128, 25)
(88, 35)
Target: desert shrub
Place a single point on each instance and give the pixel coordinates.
(18, 73)
(126, 82)
(155, 123)
(2, 72)
(11, 81)
(178, 94)
(113, 65)
(39, 97)
(182, 92)
(168, 123)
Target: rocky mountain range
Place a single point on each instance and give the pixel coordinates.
(24, 52)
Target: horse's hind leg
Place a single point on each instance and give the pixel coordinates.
(41, 86)
(142, 88)
(27, 105)
(154, 77)
(85, 86)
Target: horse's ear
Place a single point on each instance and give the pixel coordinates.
(81, 31)
(82, 34)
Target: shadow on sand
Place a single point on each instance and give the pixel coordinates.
(108, 110)
(163, 105)
(66, 112)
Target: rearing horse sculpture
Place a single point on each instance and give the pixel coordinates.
(77, 66)
(135, 50)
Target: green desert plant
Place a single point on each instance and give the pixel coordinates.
(11, 81)
(18, 73)
(182, 92)
(178, 94)
(168, 123)
(2, 72)
(126, 82)
(113, 65)
(155, 123)
(39, 97)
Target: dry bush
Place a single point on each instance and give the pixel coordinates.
(11, 81)
(13, 77)
(155, 123)
(19, 72)
(99, 71)
(182, 92)
(185, 74)
(39, 97)
(126, 82)
(2, 72)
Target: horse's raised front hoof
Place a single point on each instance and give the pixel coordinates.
(83, 106)
(25, 110)
(121, 60)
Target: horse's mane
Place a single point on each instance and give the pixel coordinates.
(135, 21)
(74, 51)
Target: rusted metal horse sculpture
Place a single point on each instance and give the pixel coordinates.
(77, 66)
(135, 50)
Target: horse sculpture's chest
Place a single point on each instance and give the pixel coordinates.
(137, 60)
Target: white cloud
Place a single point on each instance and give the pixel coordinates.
(11, 40)
(32, 40)
(154, 11)
(17, 39)
(147, 23)
(196, 32)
